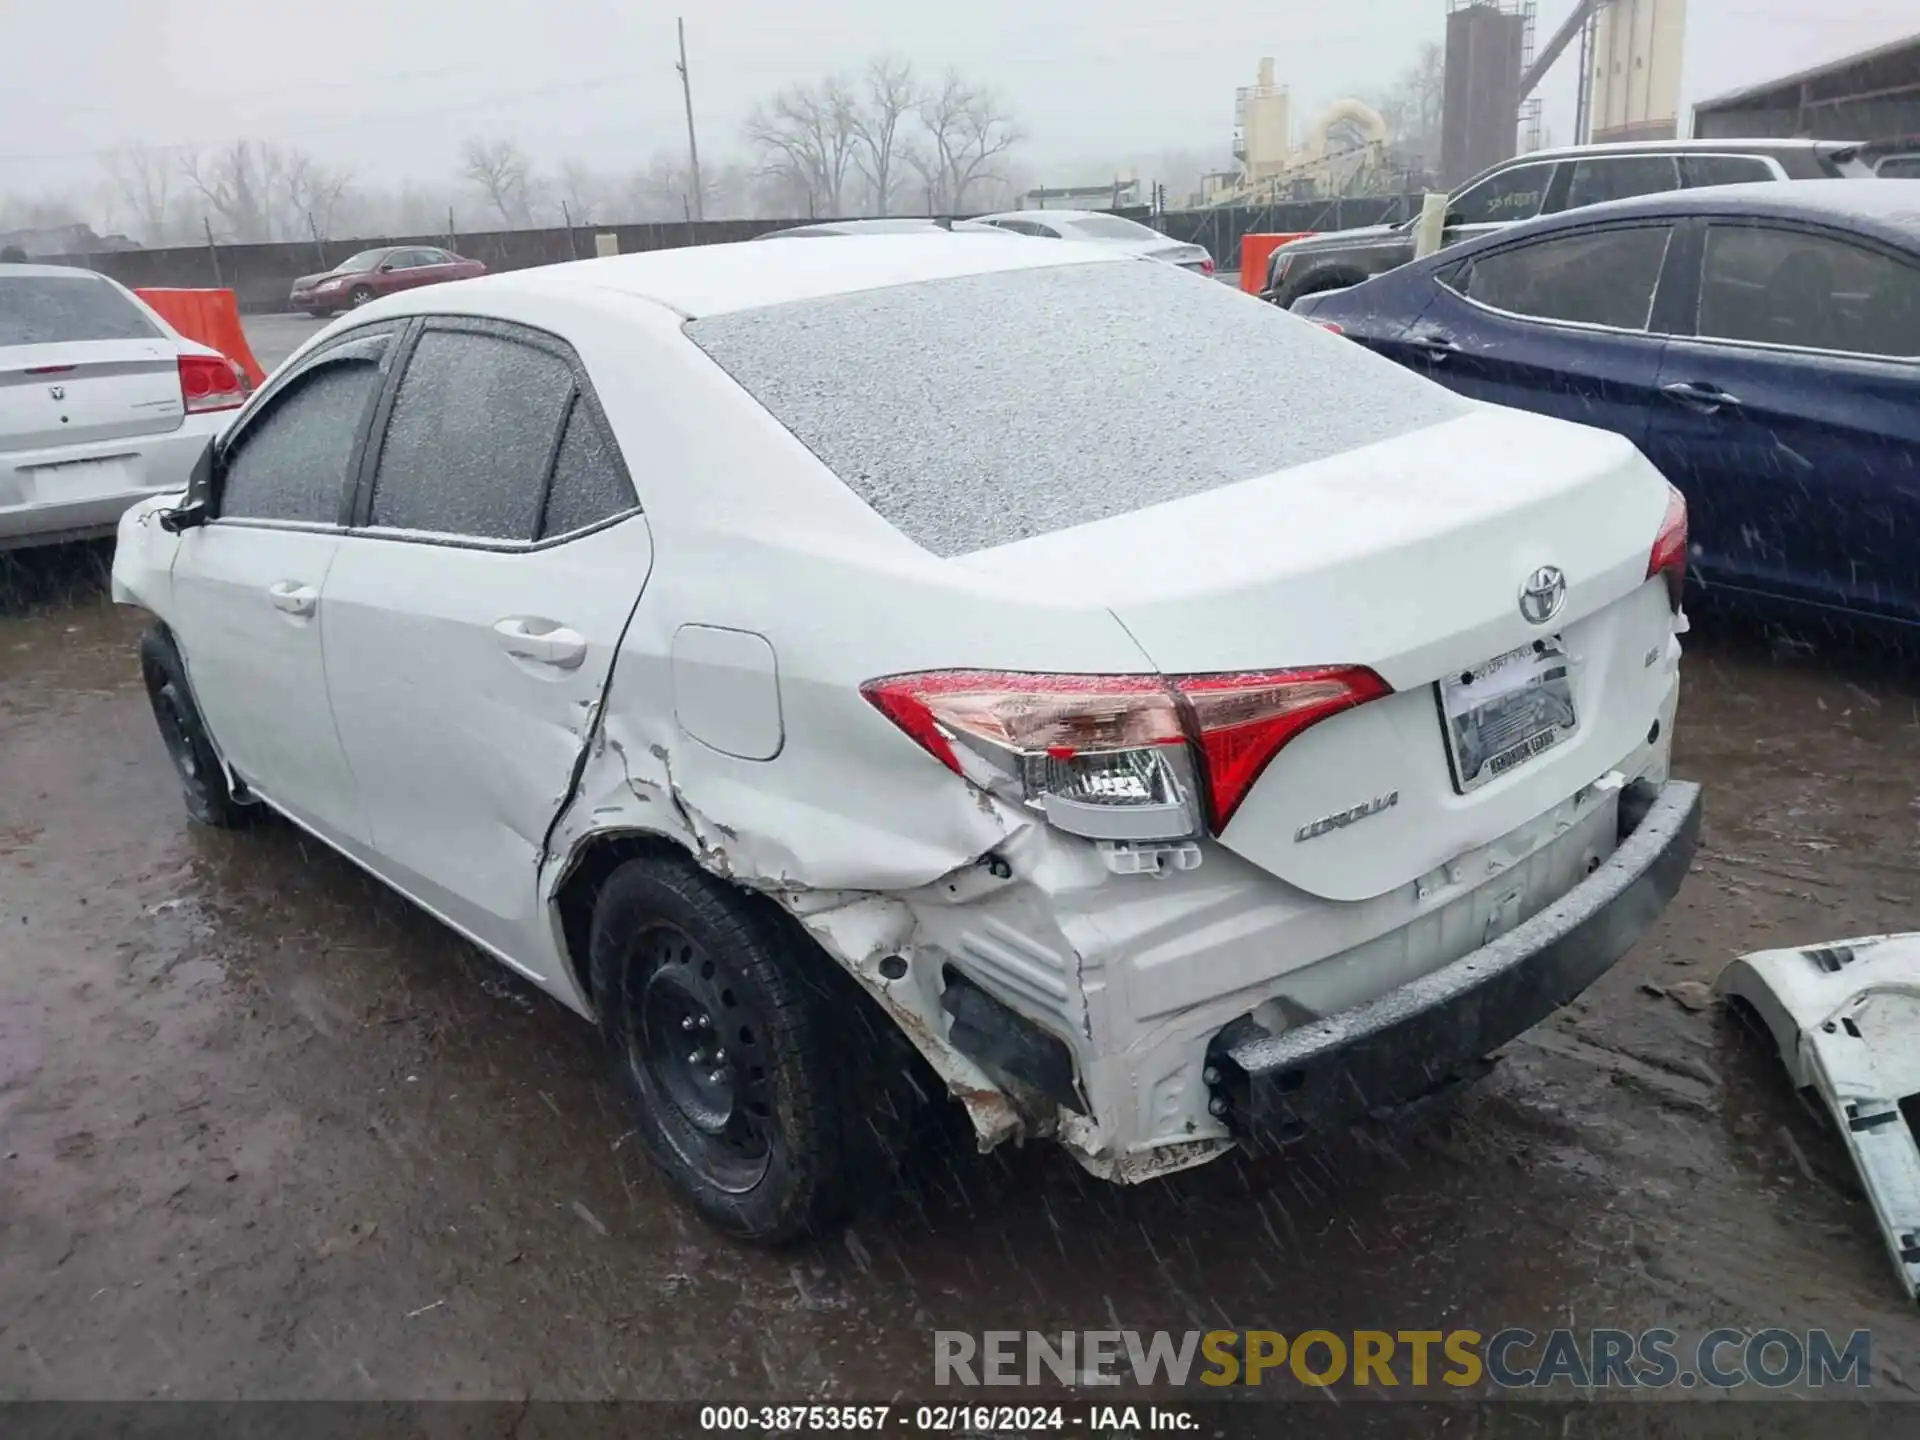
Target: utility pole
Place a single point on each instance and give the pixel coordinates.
(693, 145)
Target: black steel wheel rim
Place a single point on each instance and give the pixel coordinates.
(176, 732)
(697, 1052)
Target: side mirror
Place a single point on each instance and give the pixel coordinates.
(188, 517)
(197, 508)
(386, 267)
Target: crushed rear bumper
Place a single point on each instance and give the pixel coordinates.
(1423, 1036)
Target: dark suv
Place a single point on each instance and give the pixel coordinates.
(1544, 182)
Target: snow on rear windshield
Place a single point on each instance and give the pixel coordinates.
(978, 411)
(42, 309)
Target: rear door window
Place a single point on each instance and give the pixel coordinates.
(1808, 291)
(1702, 171)
(49, 309)
(475, 422)
(291, 461)
(1620, 177)
(590, 483)
(1515, 194)
(1597, 277)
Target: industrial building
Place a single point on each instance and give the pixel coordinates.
(1874, 95)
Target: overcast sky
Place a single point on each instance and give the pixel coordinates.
(389, 88)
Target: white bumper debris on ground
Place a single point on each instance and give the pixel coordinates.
(1846, 1016)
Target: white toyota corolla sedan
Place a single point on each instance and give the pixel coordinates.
(1166, 723)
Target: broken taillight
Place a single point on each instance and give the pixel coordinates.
(1118, 757)
(1669, 557)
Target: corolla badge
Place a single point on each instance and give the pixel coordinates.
(1340, 819)
(1542, 594)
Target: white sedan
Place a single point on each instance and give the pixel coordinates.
(102, 403)
(1098, 227)
(886, 659)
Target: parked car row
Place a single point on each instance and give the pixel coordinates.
(839, 688)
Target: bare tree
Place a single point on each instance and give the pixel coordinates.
(309, 194)
(142, 180)
(503, 175)
(1412, 107)
(967, 132)
(805, 140)
(235, 180)
(890, 97)
(582, 191)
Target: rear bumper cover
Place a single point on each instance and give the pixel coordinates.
(1419, 1038)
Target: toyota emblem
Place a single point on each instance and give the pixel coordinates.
(58, 392)
(1544, 592)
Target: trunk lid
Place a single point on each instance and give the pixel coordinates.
(1409, 557)
(72, 392)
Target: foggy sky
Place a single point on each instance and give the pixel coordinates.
(389, 88)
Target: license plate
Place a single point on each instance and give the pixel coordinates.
(1499, 715)
(80, 479)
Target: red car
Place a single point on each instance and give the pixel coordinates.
(372, 273)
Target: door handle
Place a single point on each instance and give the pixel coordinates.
(1699, 396)
(294, 599)
(1434, 344)
(557, 646)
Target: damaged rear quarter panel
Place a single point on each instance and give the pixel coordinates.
(753, 534)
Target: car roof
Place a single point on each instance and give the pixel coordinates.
(14, 269)
(696, 280)
(1887, 208)
(1757, 146)
(879, 225)
(1048, 214)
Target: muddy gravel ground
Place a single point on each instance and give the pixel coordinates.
(268, 1132)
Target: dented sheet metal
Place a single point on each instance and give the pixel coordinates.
(1845, 1015)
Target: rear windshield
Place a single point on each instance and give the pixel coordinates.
(983, 410)
(1113, 227)
(39, 309)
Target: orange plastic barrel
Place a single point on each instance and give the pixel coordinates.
(1255, 251)
(213, 318)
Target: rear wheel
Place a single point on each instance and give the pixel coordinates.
(203, 780)
(721, 1037)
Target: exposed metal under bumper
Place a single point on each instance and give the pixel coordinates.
(1419, 1038)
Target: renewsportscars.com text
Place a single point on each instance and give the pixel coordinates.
(1509, 1359)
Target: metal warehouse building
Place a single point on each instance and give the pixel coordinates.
(1871, 96)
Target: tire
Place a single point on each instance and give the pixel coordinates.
(203, 779)
(755, 1120)
(358, 296)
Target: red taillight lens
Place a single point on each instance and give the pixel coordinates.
(1206, 266)
(1243, 721)
(1669, 555)
(208, 382)
(1330, 326)
(1114, 756)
